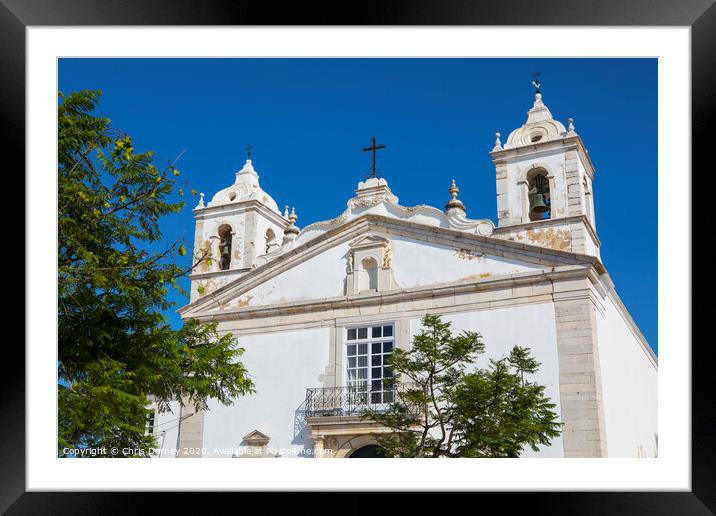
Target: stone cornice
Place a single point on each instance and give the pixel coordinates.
(218, 274)
(503, 282)
(575, 141)
(551, 222)
(490, 245)
(239, 207)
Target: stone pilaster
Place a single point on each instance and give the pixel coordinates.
(503, 207)
(575, 196)
(250, 239)
(191, 432)
(580, 385)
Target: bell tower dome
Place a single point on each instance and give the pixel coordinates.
(240, 223)
(544, 184)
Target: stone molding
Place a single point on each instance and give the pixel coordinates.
(342, 434)
(507, 283)
(567, 143)
(384, 225)
(237, 208)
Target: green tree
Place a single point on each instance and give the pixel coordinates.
(116, 350)
(443, 408)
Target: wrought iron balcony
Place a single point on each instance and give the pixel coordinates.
(351, 400)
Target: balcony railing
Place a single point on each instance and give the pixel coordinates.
(351, 400)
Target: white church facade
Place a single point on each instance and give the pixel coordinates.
(318, 310)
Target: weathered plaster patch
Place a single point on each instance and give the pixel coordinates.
(467, 254)
(560, 239)
(205, 251)
(244, 302)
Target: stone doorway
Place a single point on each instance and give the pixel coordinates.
(370, 451)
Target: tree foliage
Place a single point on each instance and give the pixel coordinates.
(447, 407)
(116, 350)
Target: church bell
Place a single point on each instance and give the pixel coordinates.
(539, 206)
(224, 248)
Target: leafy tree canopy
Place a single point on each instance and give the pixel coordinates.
(116, 350)
(445, 406)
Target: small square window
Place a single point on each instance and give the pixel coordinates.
(375, 360)
(376, 334)
(362, 333)
(363, 361)
(351, 349)
(351, 362)
(387, 331)
(376, 385)
(375, 348)
(352, 334)
(362, 374)
(387, 347)
(362, 349)
(387, 373)
(376, 372)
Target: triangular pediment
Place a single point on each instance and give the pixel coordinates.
(256, 438)
(421, 256)
(369, 240)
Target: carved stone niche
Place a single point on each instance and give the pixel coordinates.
(370, 262)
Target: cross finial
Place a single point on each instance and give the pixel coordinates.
(374, 147)
(248, 151)
(535, 81)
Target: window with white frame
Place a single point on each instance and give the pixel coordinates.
(368, 349)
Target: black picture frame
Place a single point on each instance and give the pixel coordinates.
(700, 15)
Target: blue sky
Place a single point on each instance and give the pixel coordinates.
(307, 120)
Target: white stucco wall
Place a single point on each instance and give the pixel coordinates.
(629, 382)
(530, 326)
(166, 427)
(317, 278)
(415, 263)
(420, 263)
(282, 366)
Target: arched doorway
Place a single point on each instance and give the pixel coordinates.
(370, 451)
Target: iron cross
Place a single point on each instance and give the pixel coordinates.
(535, 81)
(248, 150)
(374, 148)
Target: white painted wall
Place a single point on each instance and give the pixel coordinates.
(415, 263)
(282, 366)
(166, 427)
(530, 326)
(319, 277)
(629, 382)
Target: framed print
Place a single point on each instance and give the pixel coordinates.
(428, 230)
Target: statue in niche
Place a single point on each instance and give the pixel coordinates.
(387, 255)
(350, 262)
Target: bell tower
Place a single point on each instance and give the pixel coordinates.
(544, 184)
(239, 224)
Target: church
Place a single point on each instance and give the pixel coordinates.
(319, 309)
